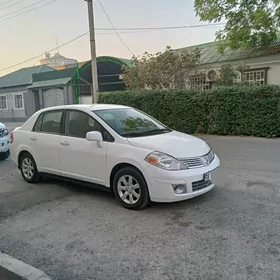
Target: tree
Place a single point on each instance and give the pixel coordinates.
(249, 23)
(163, 70)
(229, 74)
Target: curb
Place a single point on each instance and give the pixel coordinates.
(13, 269)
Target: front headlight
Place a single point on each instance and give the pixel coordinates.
(164, 161)
(5, 132)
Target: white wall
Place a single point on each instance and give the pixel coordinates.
(58, 62)
(85, 99)
(273, 74)
(12, 113)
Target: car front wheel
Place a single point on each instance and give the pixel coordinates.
(28, 169)
(130, 189)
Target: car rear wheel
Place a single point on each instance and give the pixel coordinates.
(28, 169)
(130, 189)
(4, 156)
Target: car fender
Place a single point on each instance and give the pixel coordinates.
(126, 155)
(21, 148)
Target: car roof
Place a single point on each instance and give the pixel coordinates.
(91, 107)
(95, 107)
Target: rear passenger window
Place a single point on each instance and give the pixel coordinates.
(51, 122)
(38, 124)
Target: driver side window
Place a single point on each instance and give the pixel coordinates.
(78, 124)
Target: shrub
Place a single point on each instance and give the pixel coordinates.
(235, 110)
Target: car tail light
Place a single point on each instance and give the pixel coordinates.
(12, 138)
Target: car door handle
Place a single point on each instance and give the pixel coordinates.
(64, 143)
(33, 138)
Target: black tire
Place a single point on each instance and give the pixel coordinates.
(143, 192)
(4, 156)
(36, 176)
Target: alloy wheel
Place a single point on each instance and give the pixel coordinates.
(28, 168)
(128, 189)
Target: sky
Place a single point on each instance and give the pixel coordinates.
(33, 33)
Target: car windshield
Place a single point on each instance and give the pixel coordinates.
(129, 122)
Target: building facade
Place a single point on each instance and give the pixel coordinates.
(57, 61)
(262, 65)
(14, 95)
(109, 72)
(28, 90)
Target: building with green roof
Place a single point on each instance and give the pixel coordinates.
(27, 90)
(14, 96)
(109, 71)
(263, 64)
(74, 84)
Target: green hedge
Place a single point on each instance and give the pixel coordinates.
(235, 110)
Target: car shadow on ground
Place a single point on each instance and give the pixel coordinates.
(80, 188)
(96, 191)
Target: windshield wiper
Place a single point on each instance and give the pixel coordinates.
(148, 132)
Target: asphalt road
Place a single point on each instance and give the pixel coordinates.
(75, 233)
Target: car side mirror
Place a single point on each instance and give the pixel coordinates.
(95, 136)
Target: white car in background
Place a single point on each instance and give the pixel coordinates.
(118, 147)
(4, 142)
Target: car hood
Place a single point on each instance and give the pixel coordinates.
(176, 144)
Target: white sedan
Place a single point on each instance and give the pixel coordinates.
(4, 142)
(117, 147)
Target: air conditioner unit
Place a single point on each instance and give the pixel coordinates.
(212, 75)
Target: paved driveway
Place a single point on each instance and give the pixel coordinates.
(76, 233)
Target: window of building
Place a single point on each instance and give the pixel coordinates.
(3, 102)
(255, 77)
(199, 82)
(18, 99)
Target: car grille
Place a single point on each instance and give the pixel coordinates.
(199, 185)
(1, 133)
(199, 161)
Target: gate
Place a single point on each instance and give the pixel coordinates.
(53, 97)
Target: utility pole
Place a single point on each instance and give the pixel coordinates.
(93, 52)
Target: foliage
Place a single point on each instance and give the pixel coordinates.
(249, 23)
(167, 70)
(229, 75)
(234, 110)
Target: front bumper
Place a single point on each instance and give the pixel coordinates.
(4, 144)
(160, 182)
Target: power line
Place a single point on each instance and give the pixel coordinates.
(130, 30)
(9, 1)
(136, 31)
(37, 56)
(23, 8)
(20, 1)
(107, 16)
(162, 27)
(30, 10)
(133, 32)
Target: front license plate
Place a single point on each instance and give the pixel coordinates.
(206, 176)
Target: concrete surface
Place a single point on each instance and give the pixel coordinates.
(73, 233)
(13, 269)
